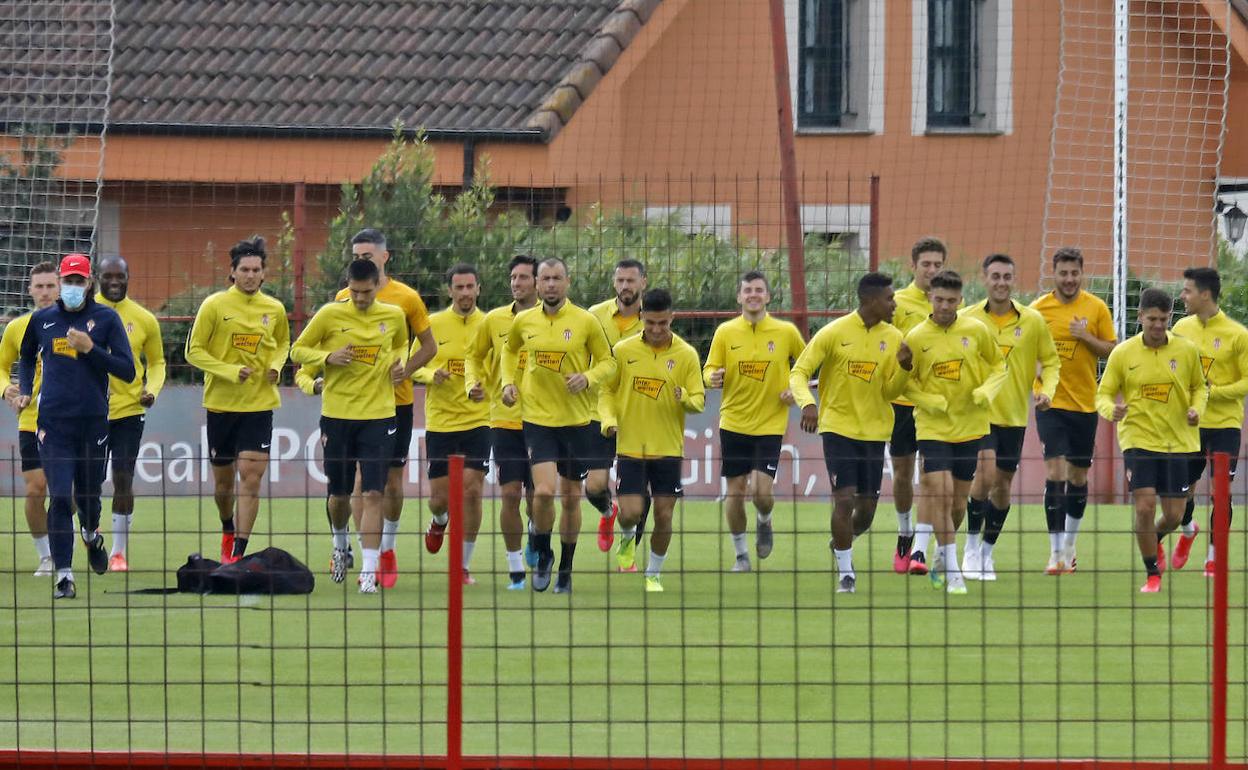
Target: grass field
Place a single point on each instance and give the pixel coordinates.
(772, 663)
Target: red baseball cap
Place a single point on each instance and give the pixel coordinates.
(76, 264)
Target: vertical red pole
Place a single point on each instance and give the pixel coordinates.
(790, 201)
(455, 618)
(1221, 601)
(299, 252)
(874, 252)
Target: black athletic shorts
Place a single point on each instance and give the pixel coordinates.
(1068, 434)
(1212, 441)
(510, 456)
(1164, 472)
(741, 453)
(854, 463)
(654, 476)
(348, 443)
(28, 446)
(567, 446)
(232, 432)
(602, 453)
(124, 438)
(402, 436)
(960, 458)
(1007, 442)
(903, 442)
(473, 444)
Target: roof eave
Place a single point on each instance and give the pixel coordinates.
(433, 133)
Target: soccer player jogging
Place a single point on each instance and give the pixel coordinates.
(483, 383)
(454, 422)
(1162, 385)
(128, 402)
(44, 289)
(1025, 342)
(80, 343)
(862, 365)
(750, 359)
(1223, 345)
(558, 341)
(658, 381)
(1083, 333)
(620, 317)
(958, 371)
(240, 339)
(361, 345)
(927, 258)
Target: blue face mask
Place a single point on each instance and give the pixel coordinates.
(73, 296)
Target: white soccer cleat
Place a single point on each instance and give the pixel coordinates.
(1068, 560)
(971, 564)
(1055, 566)
(988, 570)
(368, 582)
(46, 568)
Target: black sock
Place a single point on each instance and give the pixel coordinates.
(994, 522)
(1054, 491)
(1076, 501)
(541, 542)
(974, 515)
(567, 552)
(1150, 565)
(645, 515)
(1212, 529)
(516, 577)
(227, 525)
(1188, 510)
(240, 546)
(601, 501)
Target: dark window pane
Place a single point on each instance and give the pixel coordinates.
(952, 61)
(822, 63)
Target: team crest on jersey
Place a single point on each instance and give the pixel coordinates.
(1018, 331)
(671, 364)
(381, 327)
(883, 346)
(966, 343)
(90, 325)
(567, 334)
(1217, 342)
(948, 370)
(130, 328)
(264, 320)
(1159, 391)
(771, 346)
(1174, 365)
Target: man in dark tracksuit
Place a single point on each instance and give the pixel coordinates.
(81, 343)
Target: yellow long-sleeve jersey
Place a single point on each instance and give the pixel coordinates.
(617, 327)
(958, 370)
(858, 377)
(10, 351)
(1158, 386)
(756, 359)
(149, 359)
(1024, 340)
(362, 389)
(556, 345)
(447, 406)
(913, 308)
(640, 399)
(1076, 388)
(233, 330)
(408, 300)
(484, 357)
(1223, 345)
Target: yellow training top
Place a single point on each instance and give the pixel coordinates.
(858, 377)
(408, 300)
(913, 308)
(363, 389)
(555, 346)
(447, 406)
(756, 360)
(1024, 340)
(144, 334)
(1223, 345)
(10, 352)
(482, 361)
(640, 399)
(1076, 388)
(233, 330)
(957, 373)
(1158, 386)
(617, 327)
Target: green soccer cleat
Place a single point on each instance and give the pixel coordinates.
(654, 585)
(626, 555)
(937, 577)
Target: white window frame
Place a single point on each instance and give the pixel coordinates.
(715, 218)
(839, 218)
(871, 55)
(999, 107)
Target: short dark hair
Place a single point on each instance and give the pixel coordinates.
(252, 247)
(629, 264)
(754, 275)
(872, 284)
(523, 259)
(370, 235)
(1206, 279)
(924, 245)
(947, 279)
(992, 259)
(43, 267)
(551, 262)
(1156, 299)
(1068, 254)
(656, 301)
(462, 268)
(363, 270)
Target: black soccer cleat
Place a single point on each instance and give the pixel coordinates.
(563, 583)
(97, 555)
(541, 574)
(65, 589)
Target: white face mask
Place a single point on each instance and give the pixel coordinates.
(72, 296)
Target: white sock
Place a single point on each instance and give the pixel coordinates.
(655, 565)
(1055, 541)
(61, 574)
(389, 533)
(739, 545)
(371, 557)
(515, 561)
(985, 550)
(42, 547)
(441, 518)
(341, 539)
(468, 549)
(1072, 531)
(764, 518)
(844, 561)
(922, 533)
(950, 554)
(1189, 528)
(972, 543)
(629, 533)
(903, 524)
(121, 532)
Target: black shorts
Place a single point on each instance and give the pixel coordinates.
(348, 443)
(232, 432)
(510, 456)
(567, 446)
(903, 442)
(741, 453)
(854, 463)
(28, 446)
(1164, 472)
(473, 444)
(960, 458)
(1212, 441)
(654, 476)
(602, 453)
(124, 438)
(402, 436)
(1068, 434)
(1007, 442)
